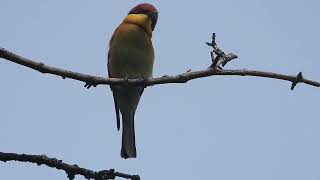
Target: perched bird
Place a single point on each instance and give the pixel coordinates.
(130, 56)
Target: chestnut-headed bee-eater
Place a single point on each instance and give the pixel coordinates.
(131, 56)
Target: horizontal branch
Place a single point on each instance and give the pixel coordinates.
(90, 80)
(71, 170)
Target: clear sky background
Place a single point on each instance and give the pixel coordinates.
(223, 128)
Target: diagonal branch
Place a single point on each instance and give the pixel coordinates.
(90, 80)
(71, 170)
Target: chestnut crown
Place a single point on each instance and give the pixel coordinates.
(147, 9)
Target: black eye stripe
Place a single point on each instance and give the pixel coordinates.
(140, 12)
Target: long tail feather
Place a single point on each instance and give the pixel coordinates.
(128, 148)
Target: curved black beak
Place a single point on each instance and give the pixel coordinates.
(154, 18)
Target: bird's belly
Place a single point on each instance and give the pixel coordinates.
(131, 54)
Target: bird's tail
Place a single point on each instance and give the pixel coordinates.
(128, 147)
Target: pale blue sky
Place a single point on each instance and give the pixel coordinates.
(222, 128)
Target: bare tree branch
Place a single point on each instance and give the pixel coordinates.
(218, 57)
(180, 78)
(71, 170)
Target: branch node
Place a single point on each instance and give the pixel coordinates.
(71, 176)
(208, 44)
(229, 57)
(215, 61)
(41, 67)
(107, 174)
(213, 41)
(110, 174)
(297, 80)
(221, 57)
(135, 177)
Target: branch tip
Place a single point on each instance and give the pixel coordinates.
(213, 40)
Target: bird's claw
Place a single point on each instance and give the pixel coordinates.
(88, 85)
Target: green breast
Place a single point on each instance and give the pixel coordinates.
(131, 53)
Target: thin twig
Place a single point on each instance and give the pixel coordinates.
(90, 80)
(71, 170)
(221, 58)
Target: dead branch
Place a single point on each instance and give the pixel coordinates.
(71, 170)
(215, 69)
(219, 58)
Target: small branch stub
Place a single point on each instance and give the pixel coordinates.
(297, 80)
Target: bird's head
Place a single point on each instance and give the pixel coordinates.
(146, 9)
